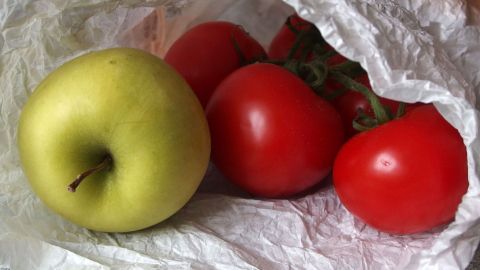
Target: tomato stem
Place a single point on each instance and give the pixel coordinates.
(106, 162)
(360, 127)
(293, 66)
(322, 54)
(381, 114)
(349, 68)
(363, 122)
(401, 110)
(297, 44)
(319, 72)
(308, 40)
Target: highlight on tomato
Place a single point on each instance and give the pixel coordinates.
(278, 127)
(271, 135)
(406, 170)
(405, 176)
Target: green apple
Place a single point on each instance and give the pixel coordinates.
(121, 129)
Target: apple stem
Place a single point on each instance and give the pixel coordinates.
(102, 165)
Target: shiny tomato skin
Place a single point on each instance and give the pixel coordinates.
(271, 135)
(206, 54)
(406, 176)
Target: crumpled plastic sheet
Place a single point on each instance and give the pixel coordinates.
(425, 51)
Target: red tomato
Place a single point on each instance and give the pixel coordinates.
(283, 41)
(406, 176)
(207, 53)
(271, 135)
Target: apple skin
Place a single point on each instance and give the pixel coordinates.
(127, 104)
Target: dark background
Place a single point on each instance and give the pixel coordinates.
(475, 264)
